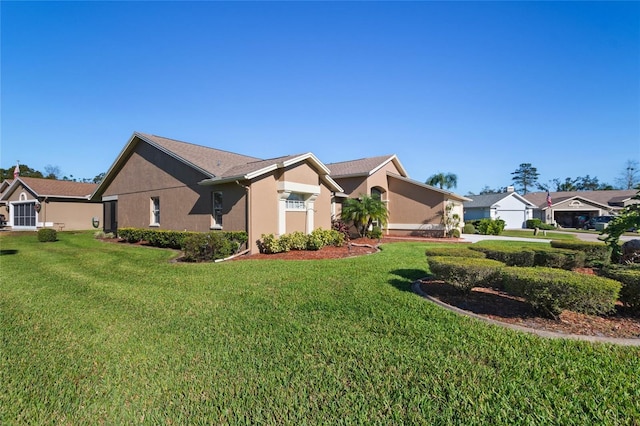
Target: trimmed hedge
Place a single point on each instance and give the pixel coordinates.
(559, 258)
(537, 223)
(597, 254)
(510, 256)
(47, 235)
(206, 247)
(550, 291)
(176, 239)
(630, 279)
(317, 239)
(454, 252)
(465, 273)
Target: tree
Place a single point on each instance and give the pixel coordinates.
(443, 180)
(628, 218)
(363, 211)
(25, 171)
(525, 177)
(487, 190)
(51, 172)
(630, 176)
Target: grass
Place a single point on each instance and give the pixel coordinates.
(92, 332)
(528, 233)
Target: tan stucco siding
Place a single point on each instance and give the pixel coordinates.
(322, 208)
(413, 205)
(296, 221)
(353, 186)
(69, 215)
(379, 178)
(301, 173)
(149, 169)
(264, 209)
(234, 206)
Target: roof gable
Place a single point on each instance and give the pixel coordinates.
(605, 197)
(364, 166)
(488, 200)
(52, 188)
(425, 186)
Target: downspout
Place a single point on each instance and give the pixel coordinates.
(247, 213)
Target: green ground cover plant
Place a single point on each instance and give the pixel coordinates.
(93, 332)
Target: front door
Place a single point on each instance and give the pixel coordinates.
(110, 214)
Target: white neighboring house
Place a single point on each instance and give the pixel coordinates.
(509, 206)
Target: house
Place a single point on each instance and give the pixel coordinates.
(168, 184)
(509, 206)
(30, 203)
(414, 208)
(163, 183)
(571, 209)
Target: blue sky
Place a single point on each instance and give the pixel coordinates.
(471, 88)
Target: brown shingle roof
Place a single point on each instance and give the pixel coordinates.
(362, 166)
(254, 166)
(214, 161)
(58, 188)
(602, 197)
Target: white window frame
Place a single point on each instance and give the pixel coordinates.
(217, 200)
(154, 211)
(295, 201)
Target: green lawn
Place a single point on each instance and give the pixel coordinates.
(528, 233)
(94, 332)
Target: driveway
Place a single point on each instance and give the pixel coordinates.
(584, 236)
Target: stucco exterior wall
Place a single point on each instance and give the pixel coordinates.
(151, 173)
(58, 213)
(413, 210)
(264, 209)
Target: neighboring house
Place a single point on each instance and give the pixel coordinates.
(572, 209)
(509, 206)
(414, 207)
(156, 182)
(31, 203)
(167, 184)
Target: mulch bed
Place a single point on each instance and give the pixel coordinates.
(500, 306)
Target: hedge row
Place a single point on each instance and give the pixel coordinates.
(176, 239)
(527, 257)
(317, 239)
(629, 276)
(550, 291)
(465, 273)
(463, 251)
(597, 254)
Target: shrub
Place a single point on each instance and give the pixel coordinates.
(454, 252)
(465, 273)
(166, 239)
(630, 279)
(550, 291)
(319, 238)
(511, 256)
(454, 233)
(491, 227)
(271, 244)
(537, 223)
(375, 233)
(597, 254)
(468, 229)
(339, 226)
(101, 235)
(559, 258)
(131, 235)
(296, 240)
(47, 235)
(202, 247)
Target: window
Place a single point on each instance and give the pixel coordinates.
(376, 193)
(295, 201)
(217, 210)
(24, 214)
(155, 211)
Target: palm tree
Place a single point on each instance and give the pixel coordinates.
(363, 211)
(443, 180)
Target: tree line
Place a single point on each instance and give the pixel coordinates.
(525, 178)
(50, 172)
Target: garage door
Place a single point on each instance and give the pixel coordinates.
(514, 219)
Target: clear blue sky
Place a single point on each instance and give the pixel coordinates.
(471, 88)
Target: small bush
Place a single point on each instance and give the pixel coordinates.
(318, 238)
(469, 229)
(205, 247)
(550, 291)
(630, 279)
(491, 227)
(454, 233)
(454, 252)
(47, 235)
(270, 244)
(131, 235)
(342, 228)
(296, 240)
(465, 273)
(596, 254)
(375, 233)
